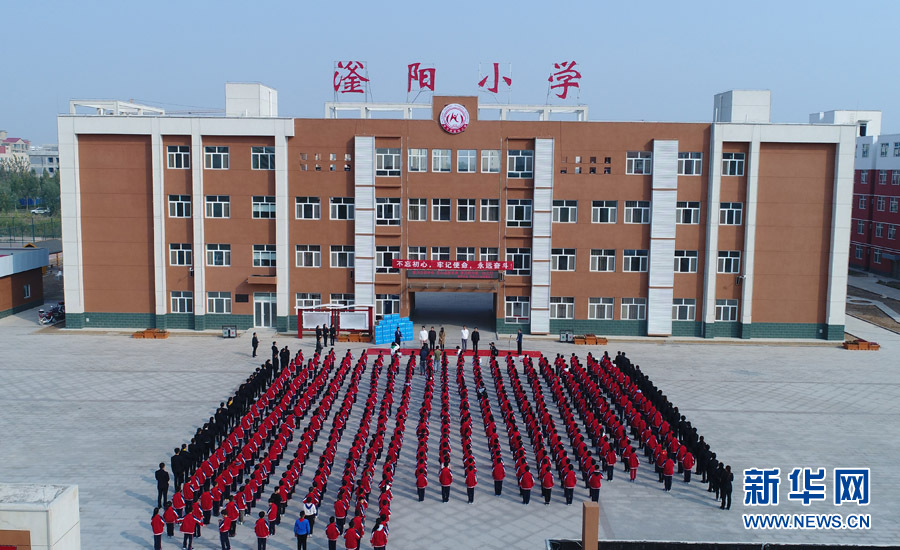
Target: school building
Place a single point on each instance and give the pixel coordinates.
(738, 227)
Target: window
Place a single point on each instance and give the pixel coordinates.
(882, 177)
(687, 213)
(690, 164)
(863, 178)
(518, 213)
(892, 232)
(440, 160)
(685, 261)
(518, 309)
(562, 307)
(865, 150)
(729, 261)
(386, 304)
(341, 208)
(264, 255)
(897, 148)
(215, 158)
(603, 259)
(178, 156)
(732, 164)
(262, 158)
(638, 162)
(343, 299)
(384, 257)
(634, 309)
(490, 210)
(637, 211)
(490, 161)
(341, 256)
(562, 259)
(879, 229)
(895, 177)
(308, 299)
(489, 254)
(417, 253)
(880, 204)
(309, 208)
(603, 211)
(440, 210)
(521, 259)
(309, 255)
(565, 211)
(860, 227)
(418, 160)
(466, 161)
(884, 149)
(182, 301)
(876, 255)
(218, 255)
(600, 309)
(387, 162)
(387, 211)
(731, 213)
(180, 254)
(179, 206)
(264, 207)
(893, 206)
(465, 210)
(520, 163)
(635, 260)
(218, 206)
(726, 310)
(218, 302)
(441, 253)
(859, 253)
(418, 210)
(26, 288)
(465, 253)
(684, 309)
(862, 202)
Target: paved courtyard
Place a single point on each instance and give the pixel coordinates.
(100, 410)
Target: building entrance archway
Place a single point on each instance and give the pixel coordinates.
(452, 310)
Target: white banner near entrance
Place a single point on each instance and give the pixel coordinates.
(312, 319)
(354, 320)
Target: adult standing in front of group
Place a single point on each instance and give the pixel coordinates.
(725, 485)
(333, 333)
(162, 485)
(441, 337)
(432, 339)
(464, 338)
(423, 337)
(318, 335)
(254, 343)
(475, 338)
(519, 342)
(301, 531)
(398, 337)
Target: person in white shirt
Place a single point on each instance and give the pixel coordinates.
(311, 511)
(423, 336)
(464, 336)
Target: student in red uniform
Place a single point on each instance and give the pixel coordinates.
(333, 533)
(351, 538)
(498, 474)
(224, 530)
(633, 463)
(446, 478)
(157, 525)
(547, 486)
(170, 518)
(262, 531)
(594, 483)
(668, 472)
(188, 524)
(421, 484)
(471, 482)
(569, 482)
(610, 463)
(688, 463)
(206, 505)
(379, 536)
(526, 483)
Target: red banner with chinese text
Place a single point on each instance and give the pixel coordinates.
(447, 264)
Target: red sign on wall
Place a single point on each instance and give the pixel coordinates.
(442, 264)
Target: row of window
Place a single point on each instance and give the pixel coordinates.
(601, 309)
(885, 147)
(880, 203)
(217, 157)
(882, 177)
(219, 255)
(876, 253)
(879, 229)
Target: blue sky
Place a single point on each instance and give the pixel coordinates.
(640, 60)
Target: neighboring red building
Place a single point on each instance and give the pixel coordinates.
(21, 279)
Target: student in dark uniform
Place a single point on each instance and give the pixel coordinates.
(177, 468)
(475, 338)
(519, 342)
(162, 485)
(254, 343)
(318, 335)
(398, 336)
(725, 485)
(432, 338)
(333, 333)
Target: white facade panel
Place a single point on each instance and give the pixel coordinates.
(364, 294)
(540, 249)
(543, 199)
(365, 270)
(543, 163)
(540, 321)
(542, 231)
(364, 247)
(365, 198)
(659, 312)
(540, 296)
(540, 273)
(662, 262)
(665, 163)
(662, 214)
(542, 222)
(365, 222)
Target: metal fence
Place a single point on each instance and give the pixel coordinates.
(28, 229)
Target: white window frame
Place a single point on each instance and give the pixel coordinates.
(490, 208)
(264, 255)
(417, 253)
(859, 252)
(686, 261)
(387, 161)
(437, 205)
(467, 161)
(218, 303)
(520, 164)
(729, 262)
(895, 177)
(417, 210)
(417, 160)
(181, 254)
(562, 307)
(727, 311)
(601, 309)
(263, 207)
(215, 157)
(860, 227)
(218, 206)
(565, 211)
(865, 150)
(465, 254)
(387, 211)
(308, 299)
(876, 255)
(637, 212)
(861, 204)
(604, 209)
(864, 178)
(442, 160)
(308, 208)
(892, 205)
(562, 259)
(489, 254)
(690, 164)
(180, 206)
(684, 309)
(181, 301)
(26, 290)
(341, 254)
(882, 177)
(731, 213)
(633, 309)
(733, 164)
(308, 255)
(465, 210)
(603, 260)
(879, 230)
(384, 259)
(392, 301)
(879, 204)
(218, 255)
(517, 310)
(262, 157)
(897, 148)
(884, 149)
(343, 299)
(490, 161)
(638, 163)
(892, 232)
(178, 157)
(342, 208)
(687, 212)
(522, 257)
(518, 213)
(440, 253)
(635, 260)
